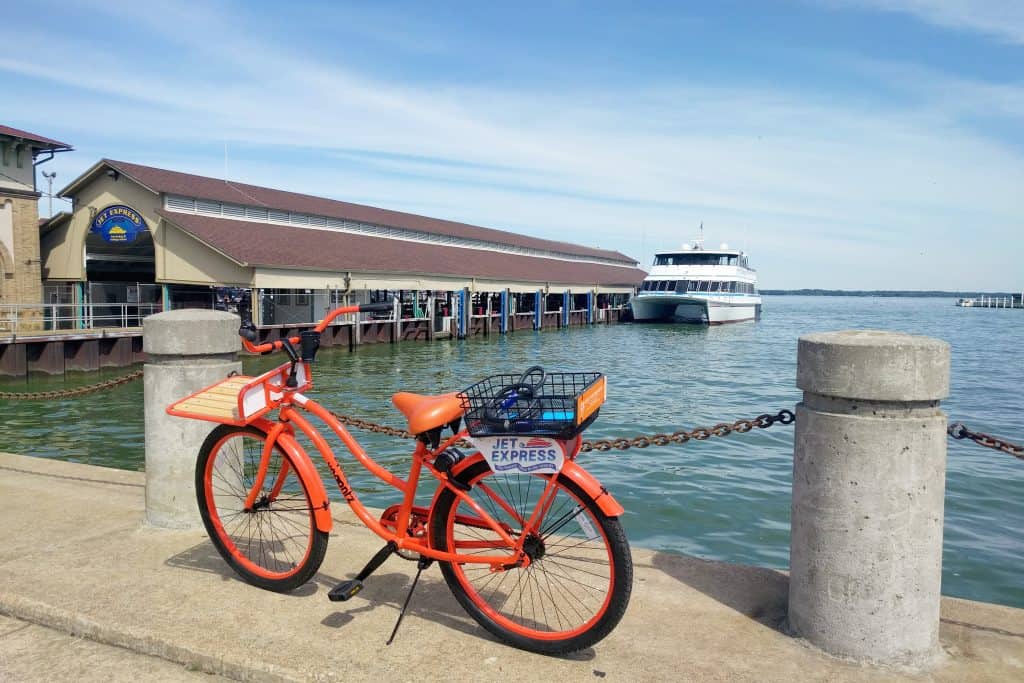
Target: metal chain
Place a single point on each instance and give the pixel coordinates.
(368, 426)
(69, 393)
(764, 421)
(958, 430)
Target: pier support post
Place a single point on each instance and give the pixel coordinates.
(868, 487)
(188, 349)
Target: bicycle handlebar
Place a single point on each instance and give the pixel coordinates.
(247, 331)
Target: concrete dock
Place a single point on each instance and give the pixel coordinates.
(77, 559)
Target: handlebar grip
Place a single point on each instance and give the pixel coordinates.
(247, 331)
(376, 308)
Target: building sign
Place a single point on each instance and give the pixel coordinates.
(118, 223)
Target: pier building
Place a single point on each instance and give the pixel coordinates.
(140, 239)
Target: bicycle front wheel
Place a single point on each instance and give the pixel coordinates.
(578, 583)
(275, 544)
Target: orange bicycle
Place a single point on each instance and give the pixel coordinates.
(528, 541)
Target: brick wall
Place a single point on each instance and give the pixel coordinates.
(23, 282)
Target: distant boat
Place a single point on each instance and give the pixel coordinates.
(698, 285)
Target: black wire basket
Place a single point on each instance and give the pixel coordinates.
(502, 404)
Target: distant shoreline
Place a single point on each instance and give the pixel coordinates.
(883, 292)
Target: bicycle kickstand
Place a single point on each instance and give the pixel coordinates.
(421, 564)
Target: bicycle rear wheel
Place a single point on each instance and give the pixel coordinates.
(575, 589)
(275, 545)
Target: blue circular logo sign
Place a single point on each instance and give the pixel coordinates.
(118, 223)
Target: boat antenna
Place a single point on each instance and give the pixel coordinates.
(699, 242)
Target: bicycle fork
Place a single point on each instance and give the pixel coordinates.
(253, 501)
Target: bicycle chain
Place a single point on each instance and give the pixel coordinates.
(69, 393)
(958, 430)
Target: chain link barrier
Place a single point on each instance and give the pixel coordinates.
(958, 430)
(368, 426)
(784, 417)
(69, 393)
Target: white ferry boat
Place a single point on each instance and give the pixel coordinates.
(698, 285)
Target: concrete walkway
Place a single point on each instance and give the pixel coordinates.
(76, 558)
(30, 653)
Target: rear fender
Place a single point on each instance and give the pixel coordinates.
(579, 476)
(586, 481)
(315, 486)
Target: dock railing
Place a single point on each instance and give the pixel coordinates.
(990, 301)
(32, 319)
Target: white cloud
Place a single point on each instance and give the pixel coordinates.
(822, 193)
(1000, 18)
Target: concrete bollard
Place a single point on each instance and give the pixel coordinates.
(869, 474)
(187, 350)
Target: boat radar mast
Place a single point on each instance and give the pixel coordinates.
(698, 242)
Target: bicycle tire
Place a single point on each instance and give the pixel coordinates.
(276, 547)
(594, 583)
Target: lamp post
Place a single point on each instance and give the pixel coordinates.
(49, 188)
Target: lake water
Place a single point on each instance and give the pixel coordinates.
(725, 499)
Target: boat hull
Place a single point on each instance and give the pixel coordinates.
(695, 309)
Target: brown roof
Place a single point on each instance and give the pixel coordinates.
(25, 135)
(173, 182)
(283, 246)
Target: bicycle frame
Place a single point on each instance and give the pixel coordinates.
(280, 433)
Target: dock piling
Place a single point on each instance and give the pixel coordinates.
(868, 486)
(188, 349)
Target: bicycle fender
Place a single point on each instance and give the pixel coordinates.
(586, 481)
(307, 471)
(579, 476)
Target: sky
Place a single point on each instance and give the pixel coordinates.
(843, 144)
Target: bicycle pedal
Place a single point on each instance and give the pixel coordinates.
(345, 590)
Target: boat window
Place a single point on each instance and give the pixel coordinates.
(680, 286)
(665, 285)
(695, 258)
(715, 286)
